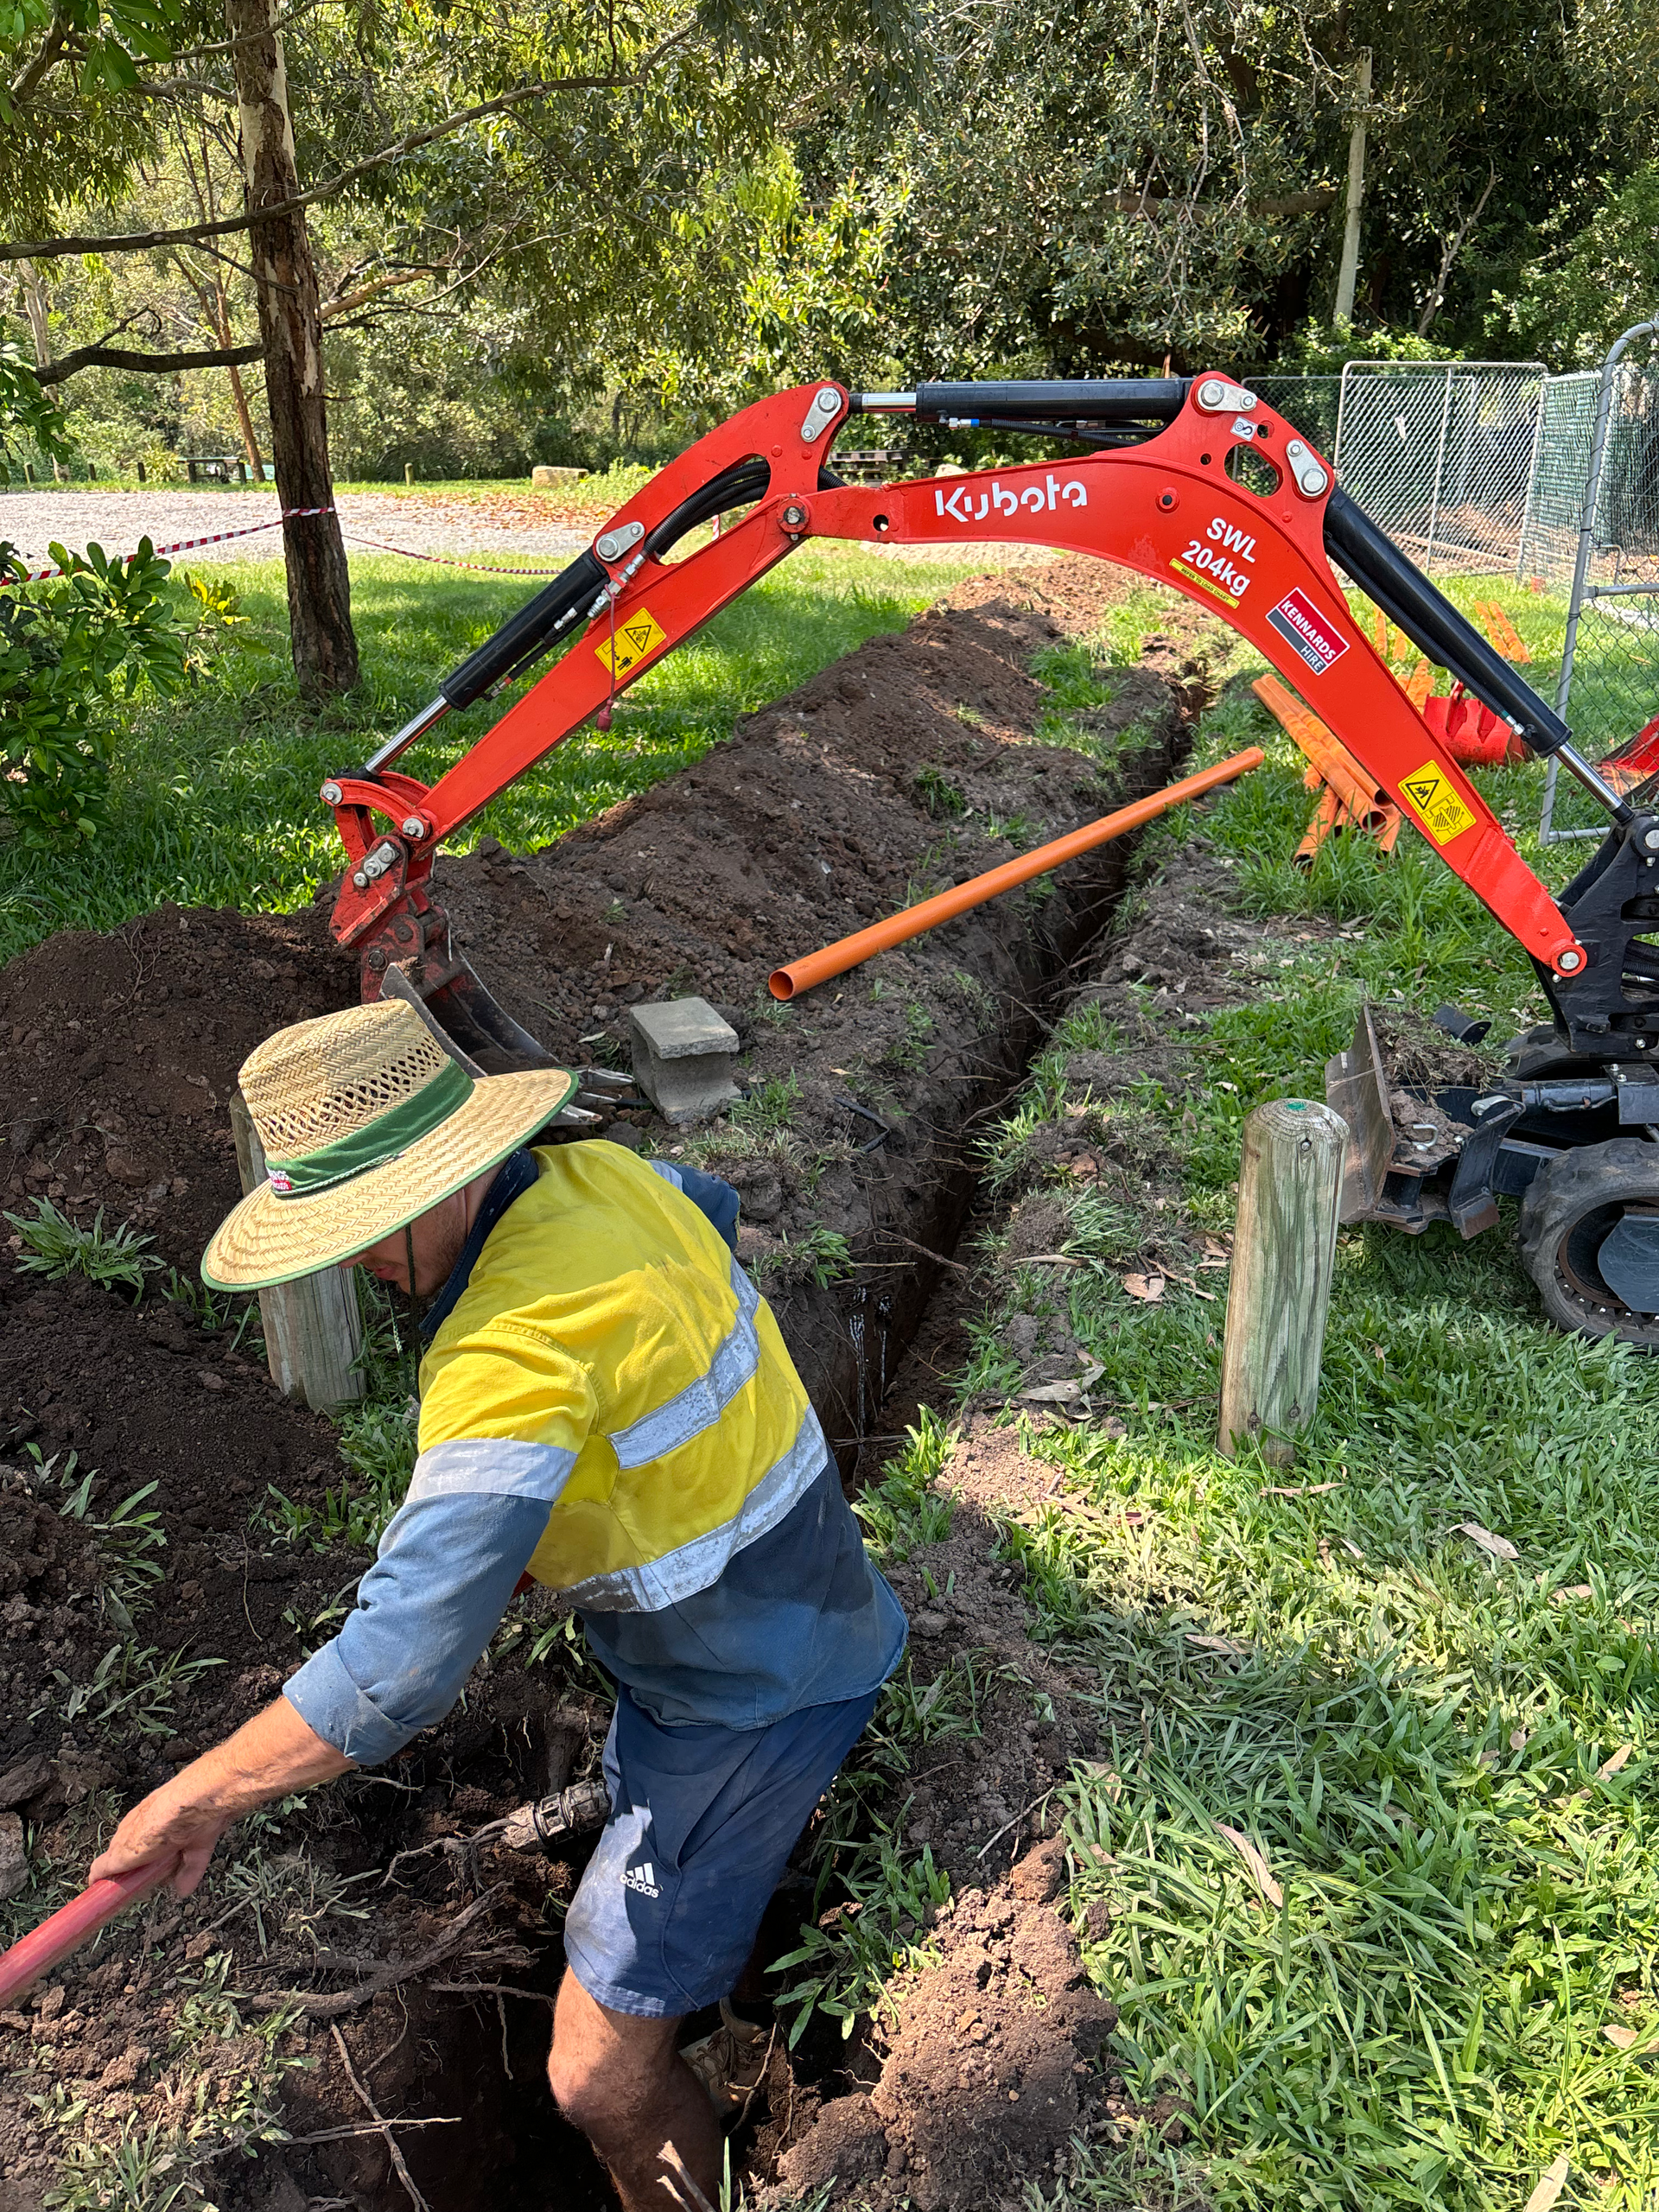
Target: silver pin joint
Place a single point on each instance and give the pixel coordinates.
(612, 544)
(826, 405)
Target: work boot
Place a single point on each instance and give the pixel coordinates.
(731, 2063)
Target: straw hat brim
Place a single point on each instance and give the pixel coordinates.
(268, 1240)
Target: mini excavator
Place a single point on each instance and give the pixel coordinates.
(1195, 483)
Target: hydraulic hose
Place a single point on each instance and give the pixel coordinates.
(1094, 399)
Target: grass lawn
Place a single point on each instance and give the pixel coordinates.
(1445, 1757)
(215, 795)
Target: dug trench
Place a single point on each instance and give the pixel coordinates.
(354, 2009)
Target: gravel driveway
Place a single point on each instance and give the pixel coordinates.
(485, 530)
(516, 530)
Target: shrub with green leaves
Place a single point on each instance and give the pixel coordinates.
(27, 416)
(75, 650)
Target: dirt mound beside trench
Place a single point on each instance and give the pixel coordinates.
(118, 1055)
(980, 2087)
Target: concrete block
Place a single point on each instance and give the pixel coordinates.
(684, 1056)
(543, 479)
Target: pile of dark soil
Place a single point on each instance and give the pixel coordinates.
(118, 1054)
(131, 1397)
(814, 818)
(981, 2083)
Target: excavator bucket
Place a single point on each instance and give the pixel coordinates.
(468, 1023)
(457, 1014)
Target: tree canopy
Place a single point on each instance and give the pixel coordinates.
(561, 232)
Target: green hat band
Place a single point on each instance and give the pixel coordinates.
(379, 1143)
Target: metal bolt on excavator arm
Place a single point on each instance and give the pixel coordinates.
(1195, 483)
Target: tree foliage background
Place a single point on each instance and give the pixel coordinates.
(663, 209)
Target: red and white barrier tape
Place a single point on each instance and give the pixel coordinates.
(442, 561)
(188, 544)
(299, 514)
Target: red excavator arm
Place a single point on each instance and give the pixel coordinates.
(1198, 484)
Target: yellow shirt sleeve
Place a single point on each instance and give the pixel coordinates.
(507, 1379)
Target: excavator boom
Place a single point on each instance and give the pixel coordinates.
(1222, 501)
(1200, 485)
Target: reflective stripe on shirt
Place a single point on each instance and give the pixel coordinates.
(492, 1466)
(692, 1567)
(701, 1403)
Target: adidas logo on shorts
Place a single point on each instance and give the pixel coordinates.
(643, 1879)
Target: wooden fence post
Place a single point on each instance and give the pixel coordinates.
(313, 1329)
(1284, 1244)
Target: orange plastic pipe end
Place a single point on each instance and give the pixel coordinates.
(815, 968)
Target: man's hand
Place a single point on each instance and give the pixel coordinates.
(270, 1756)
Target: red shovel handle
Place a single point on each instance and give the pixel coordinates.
(69, 1927)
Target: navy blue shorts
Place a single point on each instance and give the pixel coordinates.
(702, 1821)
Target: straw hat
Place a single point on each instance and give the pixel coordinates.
(365, 1123)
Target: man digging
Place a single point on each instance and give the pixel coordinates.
(606, 1404)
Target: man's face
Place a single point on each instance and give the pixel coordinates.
(437, 1238)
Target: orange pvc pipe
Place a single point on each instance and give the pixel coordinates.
(815, 968)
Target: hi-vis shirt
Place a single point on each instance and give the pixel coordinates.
(606, 1401)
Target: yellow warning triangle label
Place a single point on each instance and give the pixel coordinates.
(636, 639)
(1435, 797)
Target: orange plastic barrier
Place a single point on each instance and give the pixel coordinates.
(815, 968)
(1472, 733)
(1502, 632)
(1634, 761)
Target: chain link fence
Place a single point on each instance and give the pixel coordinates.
(1440, 453)
(1608, 687)
(1495, 468)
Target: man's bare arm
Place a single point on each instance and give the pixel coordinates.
(270, 1756)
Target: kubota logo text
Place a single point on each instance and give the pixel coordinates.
(1001, 499)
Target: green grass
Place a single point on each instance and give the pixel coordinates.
(215, 795)
(1413, 1732)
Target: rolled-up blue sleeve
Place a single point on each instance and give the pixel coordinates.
(447, 1564)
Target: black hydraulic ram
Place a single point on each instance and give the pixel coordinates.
(1435, 627)
(575, 595)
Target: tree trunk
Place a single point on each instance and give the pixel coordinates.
(290, 329)
(239, 394)
(34, 308)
